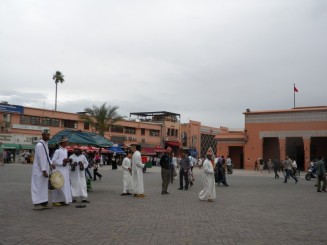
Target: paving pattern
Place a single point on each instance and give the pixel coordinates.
(254, 209)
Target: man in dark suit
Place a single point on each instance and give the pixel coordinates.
(321, 174)
(165, 163)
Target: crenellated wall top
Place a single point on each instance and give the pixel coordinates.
(308, 116)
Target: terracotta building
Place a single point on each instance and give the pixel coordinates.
(300, 133)
(198, 138)
(20, 128)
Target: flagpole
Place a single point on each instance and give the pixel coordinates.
(294, 93)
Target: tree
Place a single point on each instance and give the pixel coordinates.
(58, 77)
(101, 117)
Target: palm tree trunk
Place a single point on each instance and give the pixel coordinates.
(56, 97)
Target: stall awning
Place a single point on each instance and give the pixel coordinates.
(159, 149)
(116, 149)
(27, 147)
(173, 143)
(148, 150)
(88, 149)
(10, 146)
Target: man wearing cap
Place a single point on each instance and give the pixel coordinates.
(77, 175)
(63, 195)
(40, 173)
(137, 167)
(209, 192)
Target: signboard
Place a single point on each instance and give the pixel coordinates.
(11, 108)
(28, 127)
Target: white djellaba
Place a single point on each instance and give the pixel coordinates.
(128, 184)
(209, 190)
(77, 177)
(137, 167)
(39, 185)
(63, 194)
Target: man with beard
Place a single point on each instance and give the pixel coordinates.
(40, 173)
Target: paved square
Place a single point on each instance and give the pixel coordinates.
(255, 209)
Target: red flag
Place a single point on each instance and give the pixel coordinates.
(295, 89)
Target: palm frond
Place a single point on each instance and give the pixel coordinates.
(58, 77)
(101, 116)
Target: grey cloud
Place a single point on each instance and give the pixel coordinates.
(207, 60)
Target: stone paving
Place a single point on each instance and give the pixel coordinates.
(254, 209)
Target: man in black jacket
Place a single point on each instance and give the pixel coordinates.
(165, 163)
(185, 166)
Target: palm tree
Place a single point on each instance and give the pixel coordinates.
(102, 116)
(58, 77)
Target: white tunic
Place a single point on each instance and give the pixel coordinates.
(39, 184)
(127, 177)
(64, 194)
(209, 189)
(137, 167)
(77, 177)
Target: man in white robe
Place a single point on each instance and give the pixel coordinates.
(137, 167)
(63, 195)
(40, 173)
(209, 191)
(77, 176)
(127, 176)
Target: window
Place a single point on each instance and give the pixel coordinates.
(86, 126)
(46, 121)
(117, 129)
(35, 120)
(69, 124)
(168, 132)
(54, 122)
(176, 133)
(129, 130)
(142, 131)
(154, 132)
(25, 119)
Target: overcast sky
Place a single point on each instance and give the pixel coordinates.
(207, 60)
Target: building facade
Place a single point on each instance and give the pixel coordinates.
(198, 138)
(300, 133)
(20, 128)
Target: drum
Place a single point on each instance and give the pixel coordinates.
(56, 180)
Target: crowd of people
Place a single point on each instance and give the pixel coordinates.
(289, 168)
(7, 156)
(71, 168)
(75, 171)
